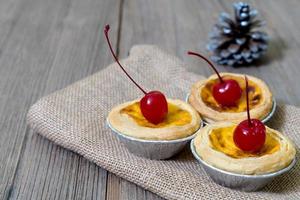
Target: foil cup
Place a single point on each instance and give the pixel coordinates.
(241, 182)
(153, 149)
(264, 120)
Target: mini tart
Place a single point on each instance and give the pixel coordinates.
(214, 144)
(260, 99)
(182, 121)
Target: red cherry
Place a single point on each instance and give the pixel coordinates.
(250, 138)
(226, 92)
(153, 105)
(250, 134)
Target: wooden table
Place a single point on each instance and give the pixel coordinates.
(47, 45)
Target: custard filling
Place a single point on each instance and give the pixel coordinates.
(221, 140)
(175, 117)
(255, 96)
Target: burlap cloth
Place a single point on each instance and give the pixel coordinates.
(74, 118)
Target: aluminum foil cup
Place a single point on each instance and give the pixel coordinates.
(264, 120)
(153, 149)
(238, 181)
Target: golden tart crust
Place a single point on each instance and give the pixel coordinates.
(260, 99)
(214, 144)
(182, 121)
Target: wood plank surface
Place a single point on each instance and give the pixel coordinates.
(178, 26)
(49, 45)
(46, 45)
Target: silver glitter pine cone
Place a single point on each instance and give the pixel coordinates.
(237, 42)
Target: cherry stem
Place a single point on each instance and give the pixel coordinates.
(210, 63)
(247, 98)
(106, 30)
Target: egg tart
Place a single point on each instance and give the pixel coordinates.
(181, 121)
(260, 99)
(215, 145)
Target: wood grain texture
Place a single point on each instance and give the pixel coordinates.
(49, 45)
(46, 45)
(178, 26)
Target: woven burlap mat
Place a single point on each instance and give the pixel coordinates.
(74, 118)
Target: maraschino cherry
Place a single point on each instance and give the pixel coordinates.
(153, 105)
(250, 134)
(226, 92)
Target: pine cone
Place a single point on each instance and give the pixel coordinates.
(234, 42)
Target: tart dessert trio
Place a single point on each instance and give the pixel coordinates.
(235, 144)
